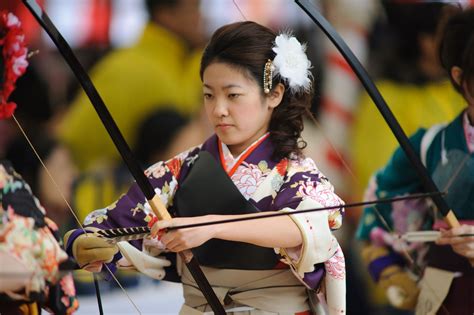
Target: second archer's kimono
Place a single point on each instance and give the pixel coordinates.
(30, 253)
(267, 185)
(447, 151)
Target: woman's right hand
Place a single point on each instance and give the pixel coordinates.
(91, 251)
(462, 245)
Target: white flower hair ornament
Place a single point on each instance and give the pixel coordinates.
(291, 63)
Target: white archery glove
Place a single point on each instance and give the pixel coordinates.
(136, 259)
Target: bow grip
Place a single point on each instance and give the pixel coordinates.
(159, 208)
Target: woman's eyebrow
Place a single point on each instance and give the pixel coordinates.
(228, 86)
(232, 86)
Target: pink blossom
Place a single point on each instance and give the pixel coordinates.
(65, 300)
(319, 193)
(248, 178)
(159, 172)
(336, 265)
(12, 20)
(408, 215)
(67, 285)
(20, 64)
(14, 55)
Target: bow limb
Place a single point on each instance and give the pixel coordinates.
(158, 208)
(387, 114)
(382, 106)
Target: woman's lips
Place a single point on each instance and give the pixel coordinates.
(224, 126)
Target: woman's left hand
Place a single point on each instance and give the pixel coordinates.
(182, 239)
(463, 245)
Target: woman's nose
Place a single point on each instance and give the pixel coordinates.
(220, 108)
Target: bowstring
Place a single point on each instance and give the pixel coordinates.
(456, 173)
(30, 143)
(238, 9)
(408, 256)
(48, 173)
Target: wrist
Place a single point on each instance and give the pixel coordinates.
(216, 230)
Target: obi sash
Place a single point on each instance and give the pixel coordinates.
(275, 291)
(207, 189)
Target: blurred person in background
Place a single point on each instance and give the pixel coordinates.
(33, 112)
(410, 79)
(447, 151)
(30, 251)
(160, 69)
(404, 59)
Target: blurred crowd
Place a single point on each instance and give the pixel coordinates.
(143, 57)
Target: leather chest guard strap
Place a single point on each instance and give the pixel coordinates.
(208, 190)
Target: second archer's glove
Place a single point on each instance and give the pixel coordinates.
(385, 268)
(89, 249)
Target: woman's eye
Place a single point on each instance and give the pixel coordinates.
(233, 95)
(207, 96)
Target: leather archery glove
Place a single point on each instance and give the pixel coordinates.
(384, 266)
(90, 250)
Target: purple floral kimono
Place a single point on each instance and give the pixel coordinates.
(285, 185)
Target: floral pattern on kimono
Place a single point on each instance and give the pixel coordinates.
(29, 243)
(398, 178)
(285, 185)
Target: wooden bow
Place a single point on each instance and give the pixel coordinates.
(155, 203)
(382, 106)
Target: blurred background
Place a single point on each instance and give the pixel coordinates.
(144, 60)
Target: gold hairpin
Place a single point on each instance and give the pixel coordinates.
(267, 76)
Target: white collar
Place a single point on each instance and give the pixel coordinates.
(230, 160)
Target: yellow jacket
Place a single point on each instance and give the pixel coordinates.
(414, 106)
(158, 71)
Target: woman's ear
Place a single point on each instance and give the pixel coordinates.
(456, 74)
(276, 95)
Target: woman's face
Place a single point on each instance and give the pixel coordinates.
(469, 96)
(235, 106)
(467, 90)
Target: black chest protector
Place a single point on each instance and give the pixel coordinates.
(208, 190)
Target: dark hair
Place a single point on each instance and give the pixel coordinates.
(157, 132)
(409, 21)
(152, 5)
(248, 46)
(457, 48)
